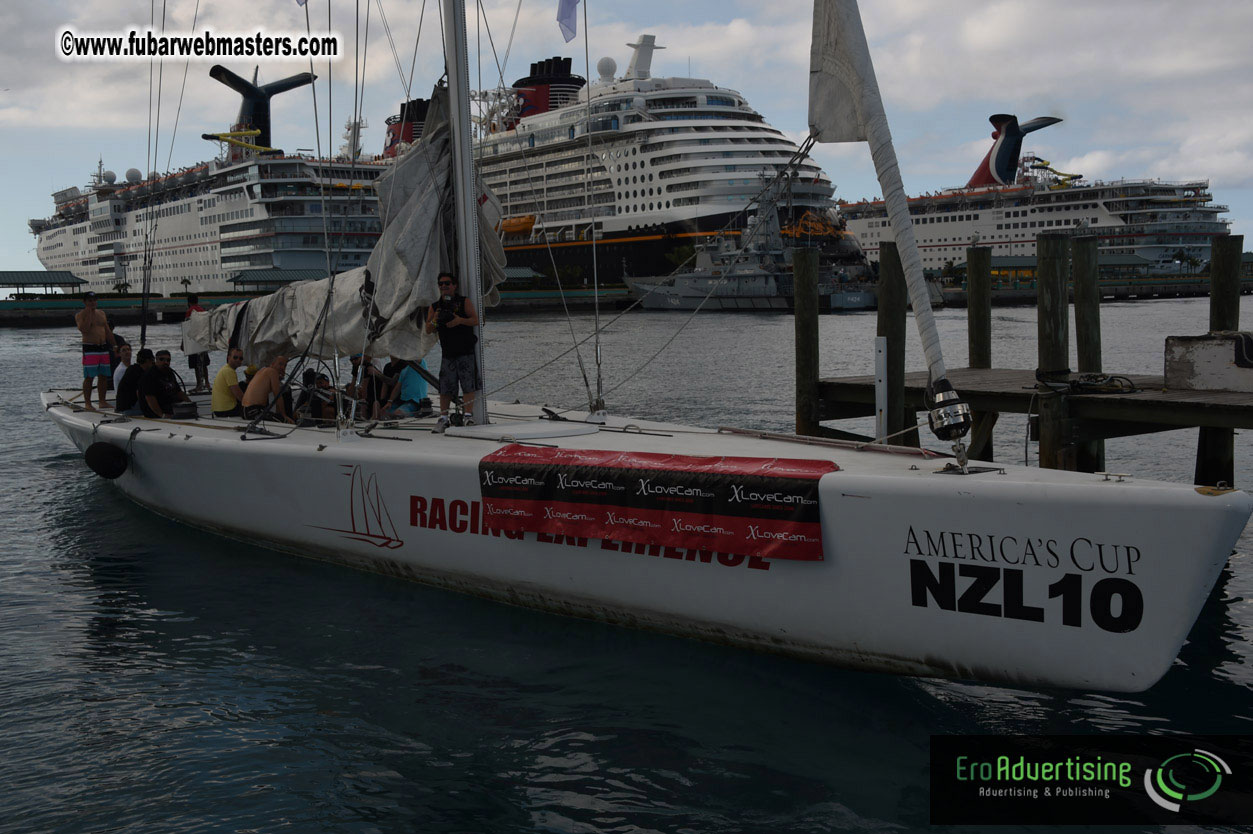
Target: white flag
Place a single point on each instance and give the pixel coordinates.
(843, 93)
(568, 18)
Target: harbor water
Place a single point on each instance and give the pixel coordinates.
(157, 678)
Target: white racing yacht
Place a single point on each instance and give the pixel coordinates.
(871, 556)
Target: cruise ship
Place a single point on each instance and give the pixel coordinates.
(643, 168)
(1008, 201)
(195, 230)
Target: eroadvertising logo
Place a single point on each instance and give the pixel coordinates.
(1185, 777)
(1091, 780)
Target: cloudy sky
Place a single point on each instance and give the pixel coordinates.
(1146, 88)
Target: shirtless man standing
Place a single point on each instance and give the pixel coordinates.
(97, 337)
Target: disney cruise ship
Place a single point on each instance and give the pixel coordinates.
(1009, 201)
(253, 208)
(647, 168)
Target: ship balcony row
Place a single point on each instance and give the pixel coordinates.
(526, 195)
(356, 191)
(551, 218)
(266, 243)
(337, 208)
(303, 224)
(805, 173)
(517, 208)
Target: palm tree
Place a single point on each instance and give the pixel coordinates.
(186, 282)
(122, 287)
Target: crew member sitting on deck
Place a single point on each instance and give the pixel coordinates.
(123, 365)
(97, 336)
(128, 386)
(318, 401)
(409, 393)
(226, 391)
(366, 387)
(159, 388)
(264, 394)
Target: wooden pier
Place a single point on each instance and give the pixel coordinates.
(1072, 413)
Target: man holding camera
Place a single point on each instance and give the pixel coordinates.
(454, 318)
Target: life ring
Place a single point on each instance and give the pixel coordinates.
(106, 460)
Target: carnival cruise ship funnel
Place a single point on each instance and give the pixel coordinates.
(254, 110)
(1001, 162)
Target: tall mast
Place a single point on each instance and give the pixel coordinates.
(457, 62)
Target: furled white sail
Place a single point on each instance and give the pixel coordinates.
(845, 106)
(380, 308)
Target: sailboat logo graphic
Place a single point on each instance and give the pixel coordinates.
(369, 520)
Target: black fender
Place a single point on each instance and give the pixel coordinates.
(106, 460)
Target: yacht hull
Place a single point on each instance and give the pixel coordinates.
(1024, 576)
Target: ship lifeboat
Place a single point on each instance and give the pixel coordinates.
(810, 225)
(518, 225)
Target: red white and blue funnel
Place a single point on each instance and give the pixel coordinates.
(999, 165)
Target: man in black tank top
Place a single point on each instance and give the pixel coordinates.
(454, 318)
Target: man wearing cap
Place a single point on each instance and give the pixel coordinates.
(159, 388)
(97, 337)
(127, 388)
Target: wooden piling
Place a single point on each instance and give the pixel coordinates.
(892, 301)
(1053, 330)
(805, 283)
(1224, 283)
(1090, 455)
(1052, 302)
(1215, 448)
(1087, 304)
(979, 340)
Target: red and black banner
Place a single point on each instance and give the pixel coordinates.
(764, 507)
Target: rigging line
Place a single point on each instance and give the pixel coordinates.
(330, 128)
(387, 29)
(445, 199)
(414, 62)
(359, 65)
(354, 139)
(512, 29)
(317, 137)
(194, 17)
(156, 135)
(182, 89)
(547, 243)
(146, 283)
(599, 404)
(639, 301)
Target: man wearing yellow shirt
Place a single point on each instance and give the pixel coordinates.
(227, 394)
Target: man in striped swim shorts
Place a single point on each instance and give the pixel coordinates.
(97, 337)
